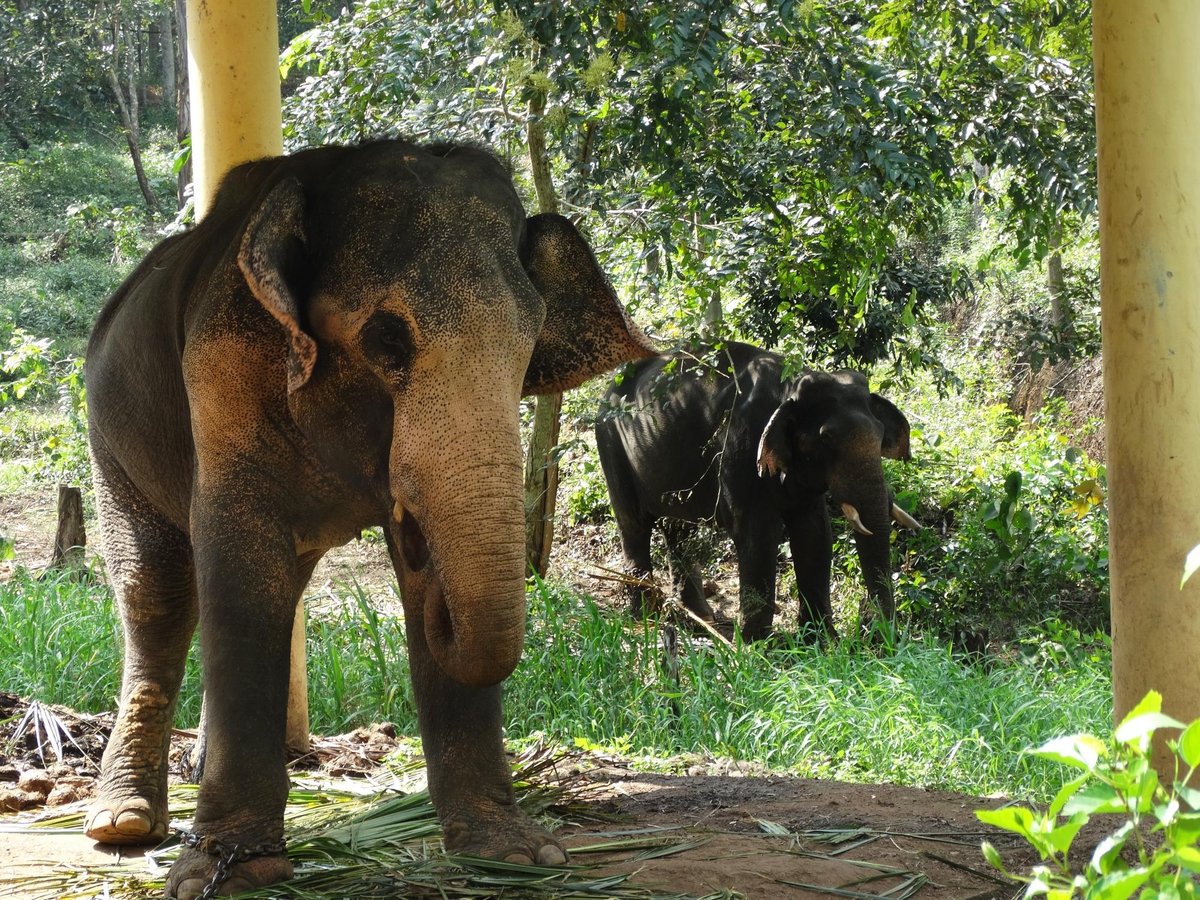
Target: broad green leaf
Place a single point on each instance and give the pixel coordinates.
(1187, 858)
(1094, 798)
(1189, 744)
(1134, 728)
(1012, 485)
(1152, 702)
(1185, 829)
(1065, 793)
(1109, 849)
(1062, 836)
(1189, 795)
(1010, 818)
(1119, 885)
(1079, 750)
(1167, 812)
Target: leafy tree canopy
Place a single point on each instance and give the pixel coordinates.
(780, 168)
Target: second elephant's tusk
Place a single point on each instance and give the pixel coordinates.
(398, 512)
(855, 519)
(904, 518)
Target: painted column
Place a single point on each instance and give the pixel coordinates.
(233, 73)
(1148, 130)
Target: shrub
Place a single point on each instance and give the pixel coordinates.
(1018, 530)
(1117, 778)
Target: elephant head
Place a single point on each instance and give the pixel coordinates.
(419, 304)
(829, 436)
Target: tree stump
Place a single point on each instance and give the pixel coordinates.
(71, 537)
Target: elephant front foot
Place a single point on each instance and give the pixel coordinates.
(228, 869)
(126, 820)
(507, 834)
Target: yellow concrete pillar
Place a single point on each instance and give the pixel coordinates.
(1148, 130)
(233, 72)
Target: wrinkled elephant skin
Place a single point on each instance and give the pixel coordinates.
(723, 437)
(341, 343)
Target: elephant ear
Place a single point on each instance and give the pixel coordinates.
(895, 428)
(273, 245)
(774, 448)
(586, 330)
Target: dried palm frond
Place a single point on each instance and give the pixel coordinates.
(47, 730)
(357, 842)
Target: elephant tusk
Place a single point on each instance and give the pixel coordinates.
(398, 512)
(855, 519)
(904, 518)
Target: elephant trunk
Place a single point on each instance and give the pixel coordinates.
(870, 500)
(461, 537)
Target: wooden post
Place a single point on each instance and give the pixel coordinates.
(71, 538)
(1148, 128)
(236, 116)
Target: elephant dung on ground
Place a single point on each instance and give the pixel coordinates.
(724, 437)
(342, 342)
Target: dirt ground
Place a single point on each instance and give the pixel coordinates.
(760, 835)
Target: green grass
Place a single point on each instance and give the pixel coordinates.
(917, 715)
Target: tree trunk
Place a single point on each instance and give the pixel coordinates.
(71, 537)
(1060, 307)
(541, 466)
(183, 111)
(166, 47)
(128, 106)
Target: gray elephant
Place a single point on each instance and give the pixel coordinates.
(723, 437)
(342, 342)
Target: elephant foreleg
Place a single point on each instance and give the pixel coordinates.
(248, 579)
(150, 569)
(685, 570)
(470, 780)
(810, 535)
(757, 553)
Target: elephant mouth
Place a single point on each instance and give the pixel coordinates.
(413, 546)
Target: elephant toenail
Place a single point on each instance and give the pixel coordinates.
(521, 859)
(550, 855)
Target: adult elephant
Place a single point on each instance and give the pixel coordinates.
(724, 437)
(342, 342)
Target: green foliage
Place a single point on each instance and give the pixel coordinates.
(586, 492)
(29, 370)
(1017, 529)
(918, 716)
(1156, 849)
(787, 164)
(359, 659)
(60, 642)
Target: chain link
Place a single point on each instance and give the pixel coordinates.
(227, 855)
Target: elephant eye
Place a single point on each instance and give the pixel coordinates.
(387, 339)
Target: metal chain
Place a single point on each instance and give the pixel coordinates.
(227, 855)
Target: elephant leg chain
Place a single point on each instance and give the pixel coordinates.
(226, 854)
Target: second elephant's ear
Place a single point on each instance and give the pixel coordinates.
(774, 447)
(895, 428)
(586, 330)
(273, 245)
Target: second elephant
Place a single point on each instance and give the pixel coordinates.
(725, 438)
